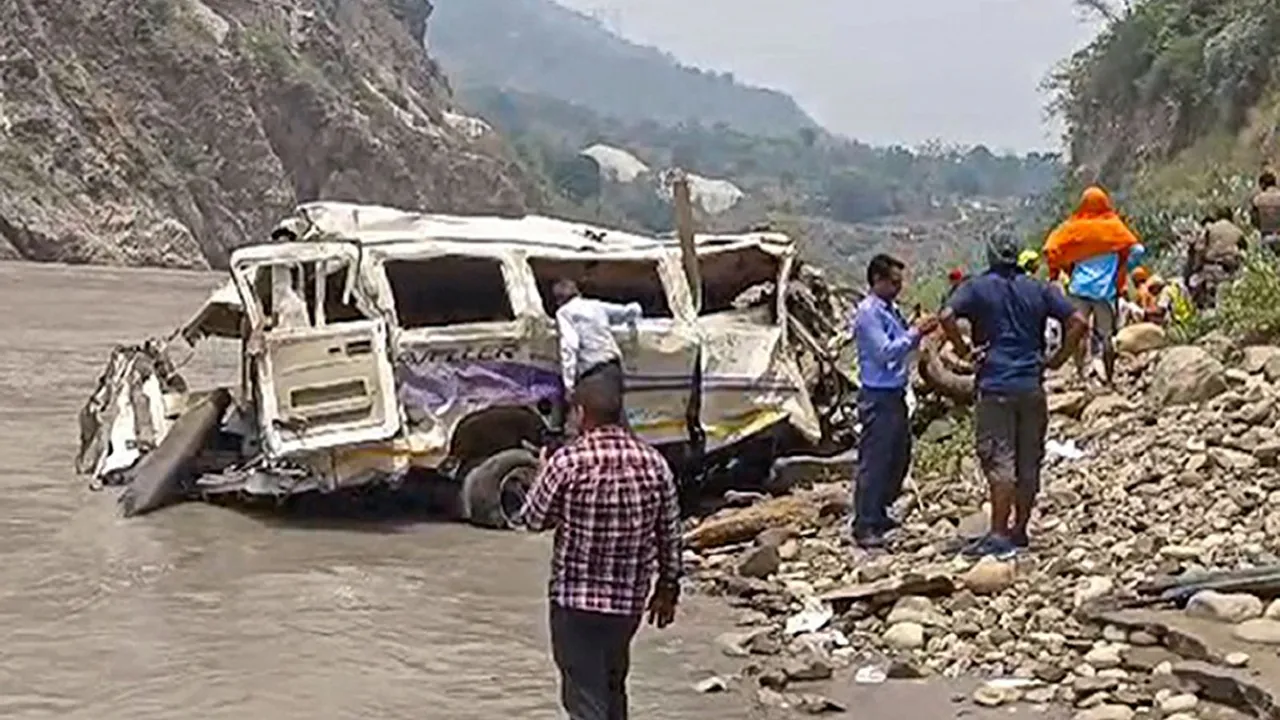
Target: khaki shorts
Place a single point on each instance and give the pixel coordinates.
(1010, 430)
(1101, 312)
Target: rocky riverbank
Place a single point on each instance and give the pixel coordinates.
(1174, 474)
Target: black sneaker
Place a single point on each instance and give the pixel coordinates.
(1001, 548)
(1020, 538)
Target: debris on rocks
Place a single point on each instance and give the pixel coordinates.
(1166, 493)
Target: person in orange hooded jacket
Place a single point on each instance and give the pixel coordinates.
(1098, 250)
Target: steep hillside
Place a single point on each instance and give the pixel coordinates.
(1176, 103)
(168, 132)
(538, 46)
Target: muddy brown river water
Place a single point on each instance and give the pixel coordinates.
(205, 612)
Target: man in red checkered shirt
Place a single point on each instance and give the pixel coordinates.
(612, 502)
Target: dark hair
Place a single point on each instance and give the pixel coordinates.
(1224, 213)
(881, 266)
(1267, 179)
(563, 289)
(600, 397)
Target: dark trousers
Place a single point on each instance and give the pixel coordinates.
(560, 410)
(884, 456)
(593, 653)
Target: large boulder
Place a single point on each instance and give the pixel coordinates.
(1139, 338)
(1185, 375)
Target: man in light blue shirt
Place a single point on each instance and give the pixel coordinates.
(1094, 293)
(885, 342)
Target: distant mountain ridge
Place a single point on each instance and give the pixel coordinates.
(541, 47)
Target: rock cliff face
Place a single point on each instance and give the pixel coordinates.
(168, 132)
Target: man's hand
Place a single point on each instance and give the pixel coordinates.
(927, 324)
(662, 606)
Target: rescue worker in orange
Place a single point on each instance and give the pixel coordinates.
(1098, 250)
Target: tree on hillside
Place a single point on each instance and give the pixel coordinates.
(577, 176)
(852, 196)
(1109, 10)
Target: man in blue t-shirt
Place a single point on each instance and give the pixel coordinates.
(1007, 311)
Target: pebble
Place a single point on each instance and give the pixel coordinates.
(919, 610)
(1107, 656)
(905, 636)
(1179, 703)
(1237, 660)
(1141, 638)
(1106, 712)
(760, 562)
(1093, 588)
(989, 576)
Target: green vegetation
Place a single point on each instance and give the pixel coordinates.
(1173, 106)
(1250, 307)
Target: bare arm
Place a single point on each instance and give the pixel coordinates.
(952, 330)
(1073, 332)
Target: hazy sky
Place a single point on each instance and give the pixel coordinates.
(895, 71)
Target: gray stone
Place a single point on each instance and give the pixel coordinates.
(760, 562)
(1273, 611)
(1256, 357)
(1179, 703)
(1223, 607)
(1229, 459)
(808, 667)
(1051, 674)
(905, 636)
(1268, 453)
(817, 705)
(989, 696)
(919, 610)
(1106, 712)
(1146, 659)
(1107, 656)
(1236, 659)
(1260, 631)
(1186, 375)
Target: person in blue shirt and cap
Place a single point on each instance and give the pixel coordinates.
(885, 341)
(1007, 311)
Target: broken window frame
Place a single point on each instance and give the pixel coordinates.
(661, 269)
(784, 262)
(509, 284)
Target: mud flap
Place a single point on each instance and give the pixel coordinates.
(164, 476)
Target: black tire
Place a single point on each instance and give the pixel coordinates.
(494, 490)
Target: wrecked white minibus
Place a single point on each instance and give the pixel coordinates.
(375, 343)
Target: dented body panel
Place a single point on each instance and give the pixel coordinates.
(376, 341)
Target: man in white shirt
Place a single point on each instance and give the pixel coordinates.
(587, 345)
